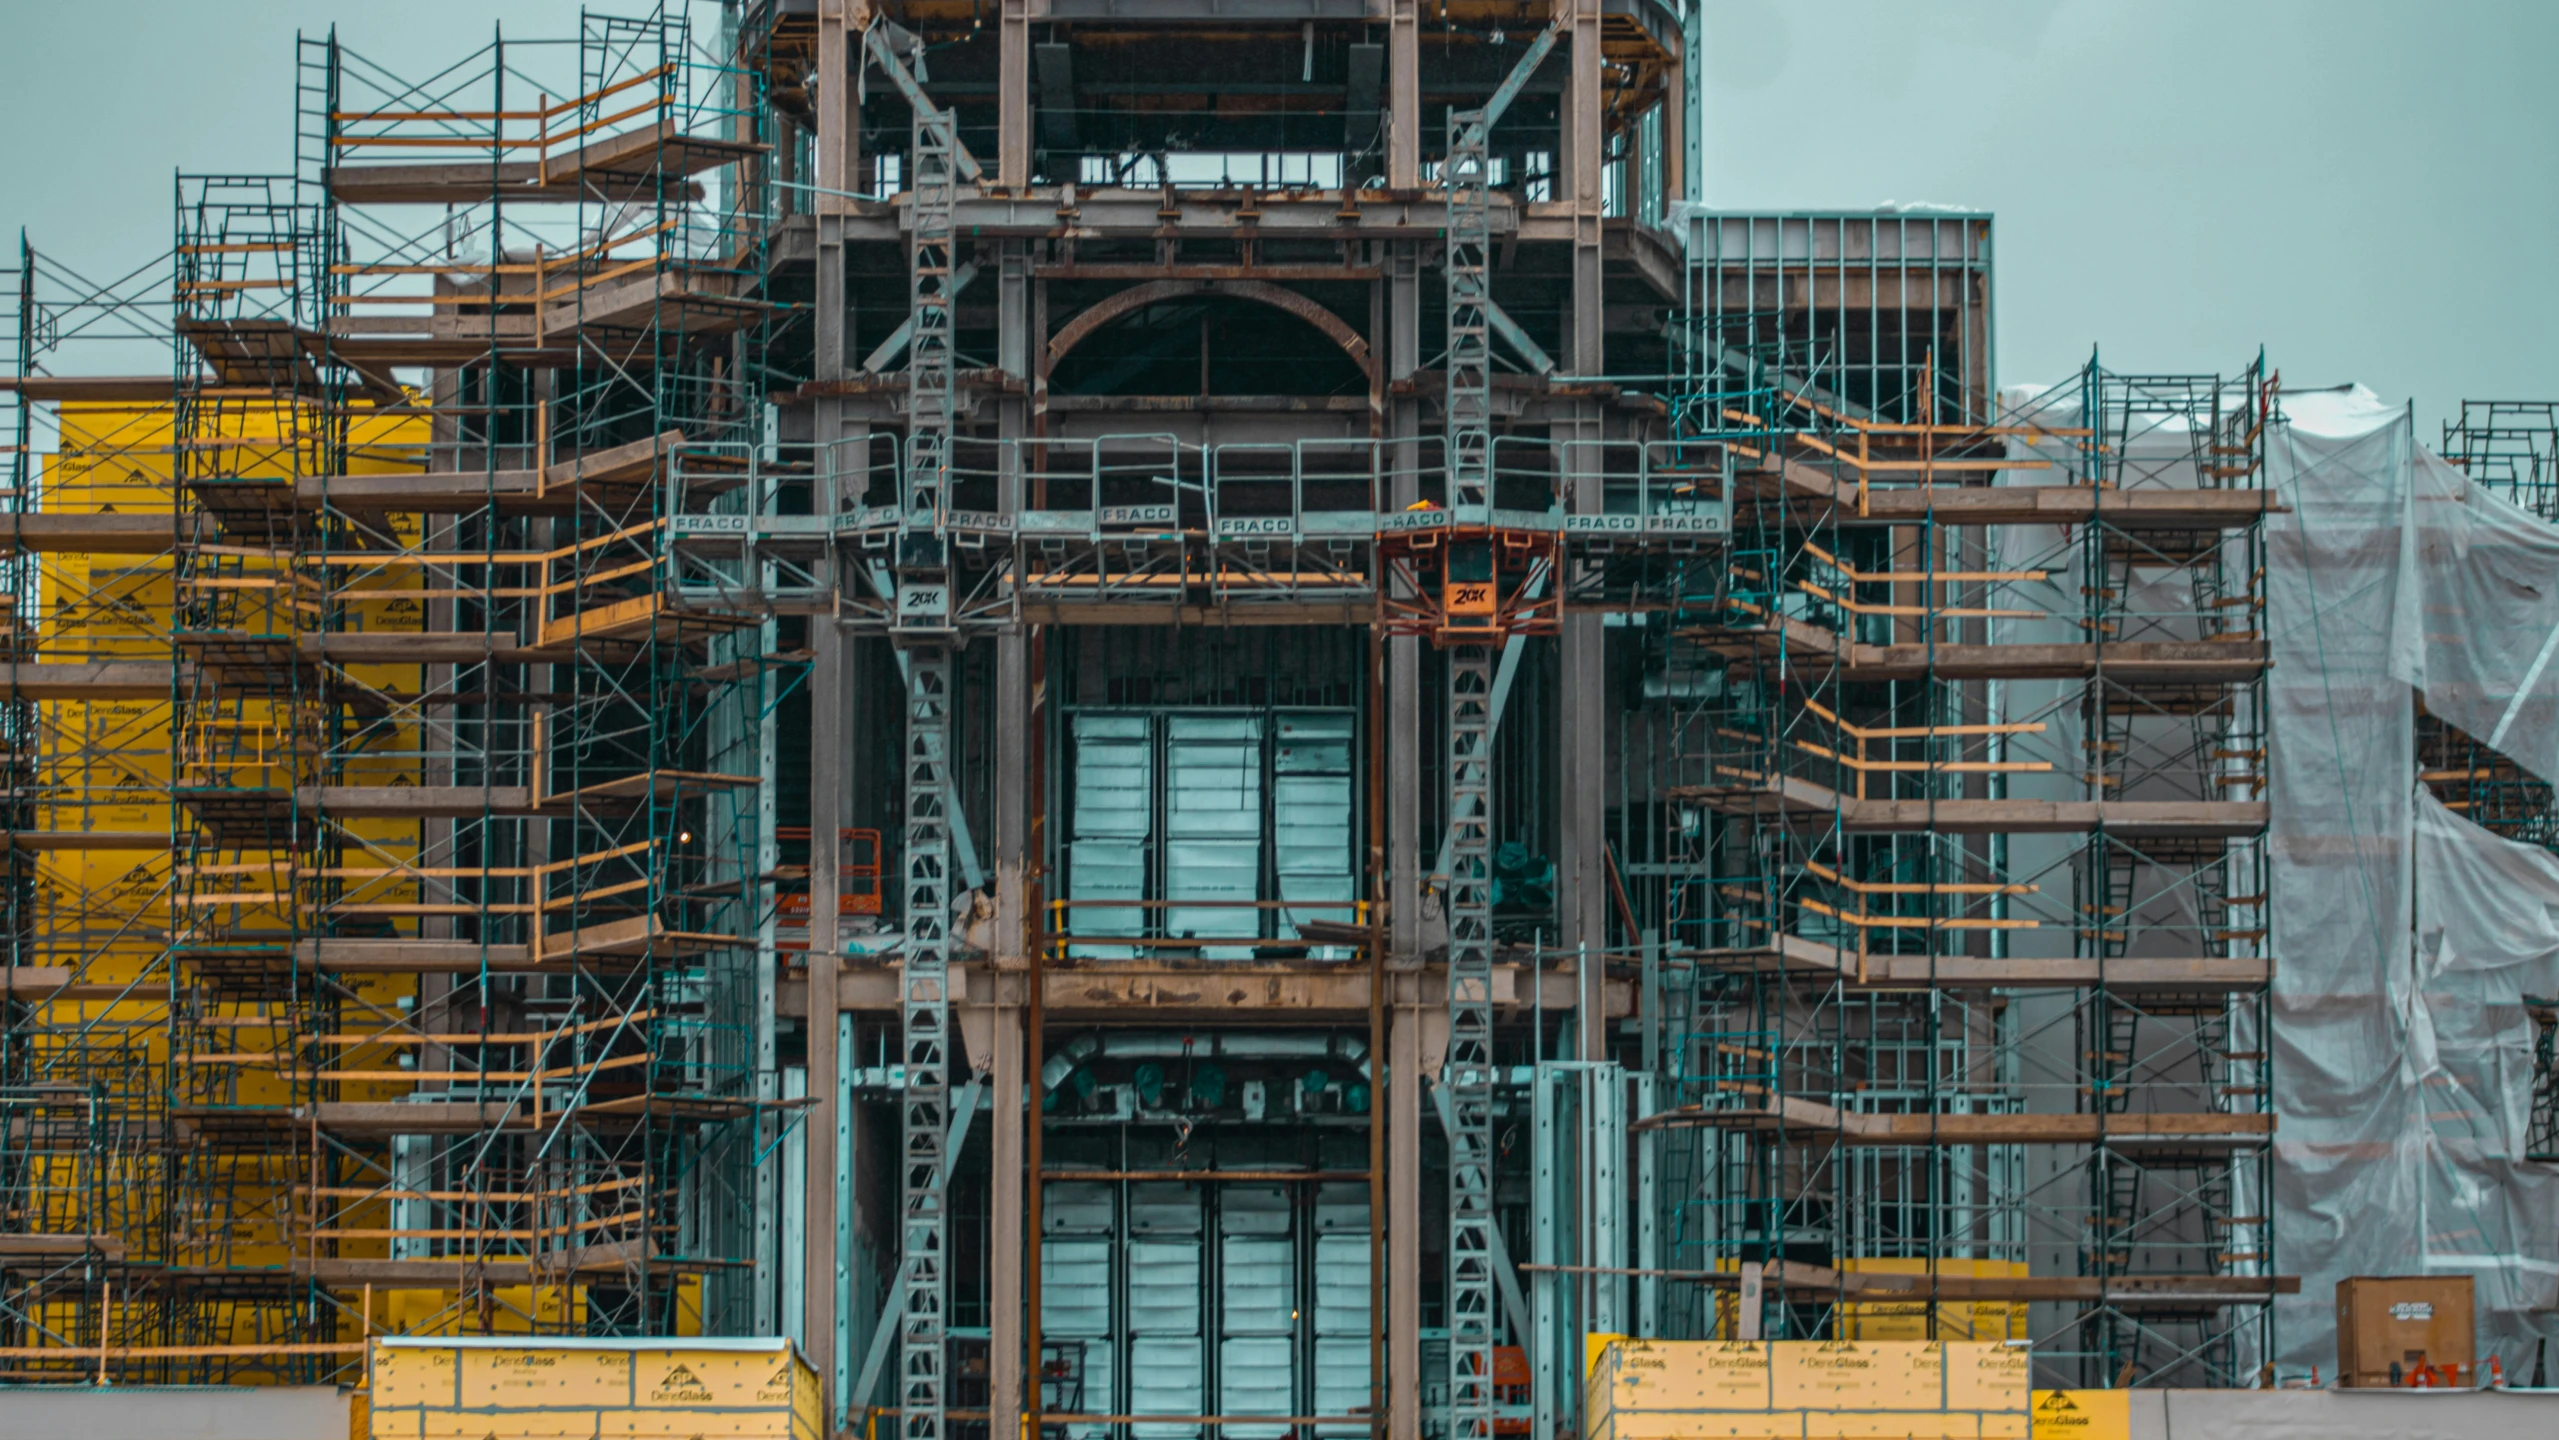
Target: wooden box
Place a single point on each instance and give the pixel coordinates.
(2404, 1320)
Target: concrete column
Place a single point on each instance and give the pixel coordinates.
(1404, 653)
(1581, 861)
(1404, 96)
(1403, 1090)
(1674, 156)
(827, 764)
(1586, 182)
(1404, 1227)
(1004, 1367)
(838, 136)
(838, 161)
(1011, 844)
(1013, 100)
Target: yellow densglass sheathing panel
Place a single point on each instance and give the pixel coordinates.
(1807, 1390)
(467, 1388)
(2083, 1415)
(1954, 1319)
(103, 767)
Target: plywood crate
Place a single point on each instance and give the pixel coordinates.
(475, 1387)
(2384, 1320)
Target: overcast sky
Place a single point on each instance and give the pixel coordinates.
(2369, 188)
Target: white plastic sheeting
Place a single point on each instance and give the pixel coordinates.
(2485, 651)
(2487, 935)
(2404, 935)
(2341, 767)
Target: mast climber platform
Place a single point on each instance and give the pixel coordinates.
(615, 504)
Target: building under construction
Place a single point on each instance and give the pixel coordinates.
(1197, 718)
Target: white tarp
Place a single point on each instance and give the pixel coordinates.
(2341, 766)
(2487, 935)
(2482, 652)
(2404, 935)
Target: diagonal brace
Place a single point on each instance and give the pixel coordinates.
(1517, 80)
(888, 349)
(877, 1357)
(1503, 325)
(876, 45)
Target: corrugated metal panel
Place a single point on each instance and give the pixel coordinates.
(1167, 1384)
(1257, 1306)
(1213, 828)
(1341, 1285)
(1257, 1293)
(1254, 1210)
(1077, 1208)
(1341, 1383)
(1164, 1288)
(1256, 1376)
(1098, 1397)
(1114, 817)
(1311, 815)
(1340, 1206)
(1163, 1209)
(1075, 1287)
(1075, 1304)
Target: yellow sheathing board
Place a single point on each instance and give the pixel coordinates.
(1857, 1375)
(1955, 1319)
(1987, 1377)
(2083, 1415)
(1807, 1389)
(408, 1378)
(541, 1377)
(104, 765)
(666, 1389)
(1685, 1375)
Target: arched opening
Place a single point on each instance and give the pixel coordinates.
(1176, 338)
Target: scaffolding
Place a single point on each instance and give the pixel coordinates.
(448, 967)
(1968, 888)
(429, 685)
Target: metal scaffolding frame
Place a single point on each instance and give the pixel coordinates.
(481, 705)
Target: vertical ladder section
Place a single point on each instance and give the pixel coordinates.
(1468, 1073)
(922, 622)
(925, 1010)
(1467, 176)
(929, 355)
